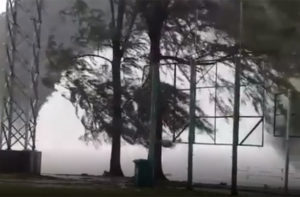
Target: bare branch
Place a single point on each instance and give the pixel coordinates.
(112, 9)
(91, 55)
(214, 61)
(127, 36)
(199, 62)
(174, 58)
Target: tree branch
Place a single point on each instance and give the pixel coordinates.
(91, 55)
(174, 58)
(199, 62)
(130, 29)
(214, 61)
(112, 9)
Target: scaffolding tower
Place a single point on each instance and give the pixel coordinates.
(20, 103)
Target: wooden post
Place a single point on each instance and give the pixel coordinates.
(191, 125)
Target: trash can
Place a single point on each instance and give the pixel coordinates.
(143, 173)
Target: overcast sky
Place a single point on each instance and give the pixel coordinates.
(2, 5)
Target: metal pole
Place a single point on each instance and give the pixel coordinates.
(215, 104)
(236, 115)
(287, 144)
(192, 122)
(235, 132)
(192, 125)
(1, 126)
(175, 90)
(11, 50)
(35, 69)
(27, 125)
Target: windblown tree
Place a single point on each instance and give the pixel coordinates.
(173, 28)
(178, 115)
(175, 22)
(163, 18)
(94, 96)
(270, 33)
(155, 14)
(118, 47)
(270, 29)
(155, 19)
(94, 31)
(256, 70)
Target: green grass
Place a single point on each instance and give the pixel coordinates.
(21, 190)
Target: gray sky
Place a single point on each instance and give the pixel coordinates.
(2, 6)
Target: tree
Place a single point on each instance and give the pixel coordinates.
(93, 31)
(176, 50)
(155, 14)
(269, 29)
(117, 27)
(156, 58)
(156, 25)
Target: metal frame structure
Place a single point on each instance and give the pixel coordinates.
(235, 116)
(19, 120)
(288, 114)
(276, 114)
(237, 91)
(215, 88)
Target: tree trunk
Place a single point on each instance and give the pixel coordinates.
(159, 174)
(155, 89)
(115, 163)
(155, 17)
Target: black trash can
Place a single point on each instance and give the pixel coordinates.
(143, 173)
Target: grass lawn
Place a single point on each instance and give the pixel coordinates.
(47, 186)
(33, 191)
(15, 190)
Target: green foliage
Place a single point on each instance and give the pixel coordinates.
(95, 98)
(206, 31)
(93, 27)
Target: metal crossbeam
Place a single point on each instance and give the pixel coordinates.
(251, 131)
